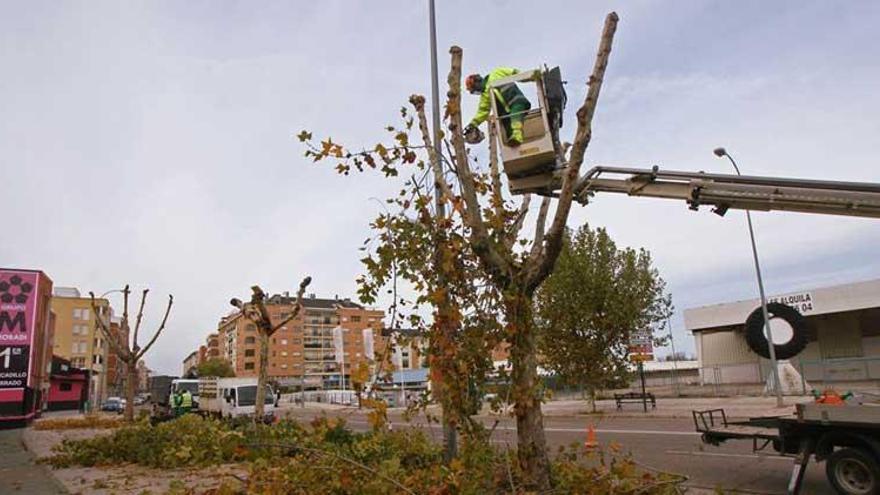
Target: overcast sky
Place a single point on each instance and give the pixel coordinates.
(150, 143)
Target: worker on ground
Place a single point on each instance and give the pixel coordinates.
(176, 400)
(512, 105)
(186, 402)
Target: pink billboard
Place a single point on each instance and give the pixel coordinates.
(18, 314)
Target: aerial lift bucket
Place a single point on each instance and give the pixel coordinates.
(536, 165)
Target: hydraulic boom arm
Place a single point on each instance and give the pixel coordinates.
(723, 191)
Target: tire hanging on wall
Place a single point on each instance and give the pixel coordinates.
(757, 341)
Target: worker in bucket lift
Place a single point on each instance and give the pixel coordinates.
(511, 103)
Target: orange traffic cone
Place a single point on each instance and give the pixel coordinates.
(591, 442)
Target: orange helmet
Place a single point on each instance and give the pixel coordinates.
(474, 84)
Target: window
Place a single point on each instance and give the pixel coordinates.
(283, 341)
(250, 340)
(283, 353)
(355, 319)
(248, 366)
(251, 327)
(80, 314)
(80, 330)
(65, 387)
(97, 359)
(284, 366)
(74, 348)
(249, 353)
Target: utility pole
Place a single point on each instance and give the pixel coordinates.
(771, 346)
(449, 433)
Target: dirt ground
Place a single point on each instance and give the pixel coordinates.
(126, 479)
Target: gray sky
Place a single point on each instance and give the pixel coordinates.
(150, 143)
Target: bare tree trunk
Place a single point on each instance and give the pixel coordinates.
(527, 392)
(130, 386)
(263, 377)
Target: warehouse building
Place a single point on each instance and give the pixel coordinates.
(841, 326)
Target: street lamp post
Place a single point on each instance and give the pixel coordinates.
(721, 152)
(449, 433)
(675, 383)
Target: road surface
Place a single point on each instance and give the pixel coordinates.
(663, 443)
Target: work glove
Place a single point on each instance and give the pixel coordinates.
(470, 129)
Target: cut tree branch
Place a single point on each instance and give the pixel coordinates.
(553, 239)
(440, 182)
(540, 223)
(520, 220)
(494, 261)
(120, 351)
(146, 348)
(497, 198)
(298, 307)
(137, 324)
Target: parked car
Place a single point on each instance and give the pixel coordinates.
(140, 400)
(114, 404)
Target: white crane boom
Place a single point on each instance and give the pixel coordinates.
(725, 191)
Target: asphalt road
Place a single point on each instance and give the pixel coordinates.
(662, 443)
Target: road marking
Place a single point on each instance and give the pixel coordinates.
(584, 430)
(634, 432)
(721, 454)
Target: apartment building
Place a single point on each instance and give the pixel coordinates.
(77, 337)
(318, 349)
(190, 363)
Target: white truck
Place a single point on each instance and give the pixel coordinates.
(232, 397)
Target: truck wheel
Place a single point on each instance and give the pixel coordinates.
(757, 341)
(853, 472)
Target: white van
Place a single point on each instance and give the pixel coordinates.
(232, 397)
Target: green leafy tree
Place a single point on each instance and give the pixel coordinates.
(587, 309)
(218, 367)
(480, 265)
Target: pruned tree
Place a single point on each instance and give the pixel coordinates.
(255, 311)
(589, 307)
(508, 269)
(125, 344)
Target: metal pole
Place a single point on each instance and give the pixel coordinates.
(769, 333)
(642, 376)
(435, 85)
(675, 384)
(449, 433)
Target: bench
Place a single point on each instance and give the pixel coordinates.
(634, 397)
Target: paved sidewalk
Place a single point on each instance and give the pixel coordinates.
(19, 474)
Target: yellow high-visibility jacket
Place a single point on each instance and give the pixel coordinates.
(505, 95)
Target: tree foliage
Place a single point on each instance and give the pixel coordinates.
(326, 457)
(590, 305)
(218, 367)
